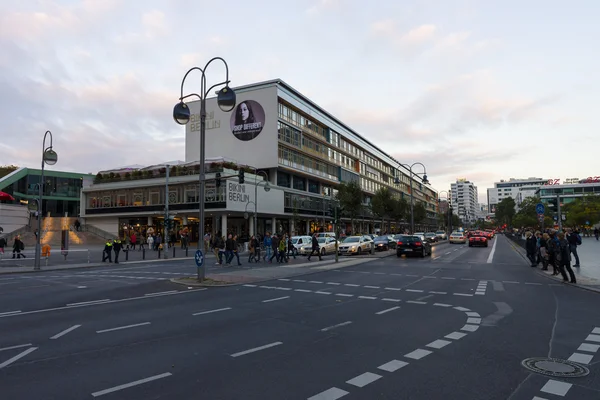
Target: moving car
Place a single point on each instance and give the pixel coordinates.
(420, 234)
(383, 243)
(355, 245)
(478, 239)
(431, 237)
(299, 241)
(458, 237)
(326, 246)
(412, 245)
(441, 235)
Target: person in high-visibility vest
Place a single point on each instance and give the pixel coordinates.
(107, 253)
(117, 245)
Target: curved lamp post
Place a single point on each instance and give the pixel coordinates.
(425, 181)
(49, 157)
(181, 115)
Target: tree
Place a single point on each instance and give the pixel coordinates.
(7, 169)
(382, 205)
(419, 213)
(582, 210)
(527, 215)
(350, 197)
(399, 211)
(505, 211)
(295, 215)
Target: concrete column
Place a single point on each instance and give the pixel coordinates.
(224, 224)
(150, 221)
(215, 220)
(184, 220)
(274, 224)
(292, 227)
(308, 227)
(251, 228)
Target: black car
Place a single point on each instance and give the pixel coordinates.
(412, 245)
(384, 243)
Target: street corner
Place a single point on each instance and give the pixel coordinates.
(583, 282)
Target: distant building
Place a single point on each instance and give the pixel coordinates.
(463, 196)
(518, 189)
(568, 192)
(482, 211)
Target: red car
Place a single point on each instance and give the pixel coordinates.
(478, 240)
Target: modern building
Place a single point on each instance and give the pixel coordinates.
(569, 189)
(463, 195)
(61, 189)
(518, 189)
(482, 211)
(303, 151)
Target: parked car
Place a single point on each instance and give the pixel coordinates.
(412, 245)
(326, 234)
(458, 237)
(299, 241)
(355, 245)
(441, 235)
(478, 239)
(431, 237)
(383, 243)
(326, 246)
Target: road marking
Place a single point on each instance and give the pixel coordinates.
(539, 398)
(10, 313)
(473, 320)
(212, 311)
(371, 287)
(16, 347)
(123, 327)
(320, 292)
(393, 365)
(470, 328)
(363, 379)
(315, 282)
(491, 256)
(455, 335)
(467, 279)
(447, 253)
(442, 305)
(418, 354)
(330, 394)
(533, 283)
(285, 280)
(392, 288)
(276, 299)
(510, 282)
(463, 309)
(249, 285)
(303, 290)
(344, 295)
(266, 346)
(283, 288)
(367, 297)
(592, 348)
(593, 338)
(556, 387)
(85, 303)
(473, 314)
(581, 358)
(413, 276)
(299, 280)
(447, 277)
(336, 326)
(432, 292)
(438, 344)
(161, 293)
(463, 294)
(503, 310)
(387, 310)
(17, 357)
(388, 299)
(130, 384)
(429, 277)
(81, 287)
(498, 286)
(424, 297)
(435, 258)
(351, 284)
(333, 283)
(414, 290)
(416, 302)
(379, 273)
(596, 330)
(65, 331)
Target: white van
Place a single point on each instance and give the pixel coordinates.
(300, 241)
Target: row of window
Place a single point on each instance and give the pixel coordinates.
(297, 182)
(153, 196)
(300, 120)
(292, 158)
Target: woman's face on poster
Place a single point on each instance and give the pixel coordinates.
(245, 111)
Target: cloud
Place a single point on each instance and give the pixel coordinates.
(417, 35)
(154, 23)
(321, 6)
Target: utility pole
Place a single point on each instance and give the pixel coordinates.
(167, 221)
(559, 217)
(337, 231)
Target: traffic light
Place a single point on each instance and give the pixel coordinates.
(552, 205)
(241, 176)
(218, 179)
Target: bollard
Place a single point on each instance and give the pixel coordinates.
(126, 255)
(46, 261)
(88, 255)
(173, 251)
(143, 253)
(159, 253)
(186, 251)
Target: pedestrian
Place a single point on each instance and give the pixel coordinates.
(274, 249)
(531, 247)
(107, 252)
(117, 246)
(235, 250)
(133, 240)
(251, 250)
(596, 233)
(553, 248)
(142, 240)
(564, 258)
(281, 257)
(291, 248)
(315, 247)
(574, 240)
(267, 243)
(256, 246)
(127, 242)
(157, 242)
(2, 245)
(18, 246)
(150, 242)
(229, 246)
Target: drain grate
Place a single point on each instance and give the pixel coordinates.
(555, 367)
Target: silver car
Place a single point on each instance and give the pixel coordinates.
(356, 245)
(326, 246)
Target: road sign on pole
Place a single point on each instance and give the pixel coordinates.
(539, 208)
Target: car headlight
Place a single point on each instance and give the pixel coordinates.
(353, 248)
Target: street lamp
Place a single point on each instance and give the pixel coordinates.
(49, 157)
(182, 114)
(425, 181)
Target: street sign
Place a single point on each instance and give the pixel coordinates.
(587, 222)
(541, 217)
(199, 257)
(539, 208)
(555, 218)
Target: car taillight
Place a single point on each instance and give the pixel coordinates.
(418, 243)
(399, 243)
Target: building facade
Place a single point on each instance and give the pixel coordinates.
(568, 190)
(299, 148)
(464, 200)
(518, 189)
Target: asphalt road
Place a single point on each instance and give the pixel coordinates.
(453, 326)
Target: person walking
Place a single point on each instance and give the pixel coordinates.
(267, 243)
(251, 250)
(574, 240)
(274, 249)
(257, 242)
(564, 258)
(235, 250)
(553, 249)
(531, 247)
(290, 248)
(18, 246)
(133, 239)
(229, 246)
(315, 247)
(107, 252)
(281, 257)
(117, 246)
(597, 233)
(150, 242)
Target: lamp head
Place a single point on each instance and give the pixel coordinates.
(397, 180)
(267, 187)
(226, 99)
(50, 156)
(181, 113)
(425, 181)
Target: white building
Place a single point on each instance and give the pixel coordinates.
(482, 211)
(464, 201)
(518, 189)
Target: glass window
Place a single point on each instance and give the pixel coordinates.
(299, 183)
(283, 179)
(313, 186)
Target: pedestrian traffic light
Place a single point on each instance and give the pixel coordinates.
(241, 176)
(218, 179)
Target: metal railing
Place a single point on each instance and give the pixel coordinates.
(97, 231)
(10, 236)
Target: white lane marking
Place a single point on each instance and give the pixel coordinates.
(463, 309)
(16, 347)
(336, 326)
(303, 290)
(299, 280)
(344, 295)
(17, 357)
(510, 282)
(371, 287)
(470, 328)
(438, 344)
(473, 314)
(85, 303)
(379, 273)
(463, 294)
(320, 292)
(455, 335)
(333, 283)
(65, 331)
(123, 327)
(266, 346)
(329, 394)
(393, 365)
(467, 279)
(557, 388)
(435, 258)
(81, 287)
(414, 290)
(367, 297)
(392, 288)
(388, 299)
(161, 293)
(351, 284)
(413, 276)
(447, 253)
(249, 285)
(387, 310)
(473, 320)
(596, 330)
(284, 280)
(276, 299)
(432, 292)
(130, 384)
(315, 282)
(283, 288)
(212, 311)
(593, 338)
(363, 379)
(581, 358)
(447, 277)
(416, 302)
(491, 256)
(418, 354)
(429, 277)
(539, 398)
(592, 348)
(10, 313)
(533, 283)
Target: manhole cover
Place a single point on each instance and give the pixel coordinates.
(555, 367)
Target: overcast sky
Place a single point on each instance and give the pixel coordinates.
(484, 90)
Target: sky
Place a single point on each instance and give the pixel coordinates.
(482, 90)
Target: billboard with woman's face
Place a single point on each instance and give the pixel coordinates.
(247, 120)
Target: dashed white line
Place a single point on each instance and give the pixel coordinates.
(299, 280)
(351, 284)
(438, 344)
(367, 297)
(581, 358)
(442, 305)
(463, 309)
(321, 292)
(392, 288)
(470, 328)
(593, 338)
(344, 295)
(85, 303)
(283, 288)
(16, 347)
(473, 320)
(556, 387)
(276, 299)
(161, 293)
(363, 379)
(533, 283)
(371, 287)
(333, 283)
(463, 294)
(387, 310)
(413, 276)
(379, 273)
(249, 285)
(417, 354)
(212, 311)
(473, 314)
(336, 326)
(130, 384)
(414, 290)
(285, 280)
(596, 331)
(510, 282)
(433, 292)
(17, 357)
(10, 312)
(429, 277)
(303, 290)
(315, 282)
(455, 335)
(416, 302)
(447, 277)
(123, 327)
(447, 253)
(592, 348)
(467, 279)
(65, 331)
(266, 346)
(393, 365)
(329, 394)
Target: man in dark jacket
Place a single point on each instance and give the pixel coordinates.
(315, 247)
(117, 246)
(574, 240)
(274, 248)
(229, 246)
